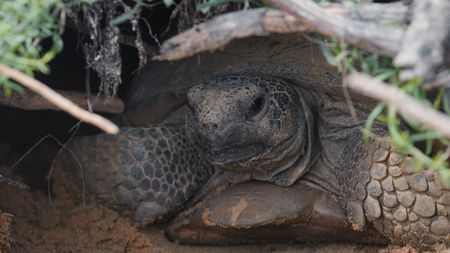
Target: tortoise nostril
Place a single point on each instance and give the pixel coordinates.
(255, 107)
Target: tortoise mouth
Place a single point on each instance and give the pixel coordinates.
(235, 154)
(251, 155)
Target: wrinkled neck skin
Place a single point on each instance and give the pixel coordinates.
(296, 156)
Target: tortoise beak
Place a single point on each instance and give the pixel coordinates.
(231, 144)
(234, 155)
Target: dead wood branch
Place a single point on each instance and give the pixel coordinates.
(382, 39)
(405, 105)
(31, 101)
(425, 48)
(58, 100)
(330, 20)
(219, 31)
(378, 12)
(373, 12)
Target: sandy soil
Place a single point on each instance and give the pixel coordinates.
(66, 225)
(6, 222)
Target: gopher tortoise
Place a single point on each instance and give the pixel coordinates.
(258, 142)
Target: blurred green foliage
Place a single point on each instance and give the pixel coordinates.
(24, 25)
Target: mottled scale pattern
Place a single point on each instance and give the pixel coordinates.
(409, 207)
(151, 172)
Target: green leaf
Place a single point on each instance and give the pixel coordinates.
(205, 7)
(445, 103)
(385, 75)
(425, 136)
(127, 15)
(168, 3)
(9, 86)
(371, 120)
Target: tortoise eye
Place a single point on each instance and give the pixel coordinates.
(255, 107)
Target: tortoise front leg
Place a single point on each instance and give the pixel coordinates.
(264, 212)
(408, 207)
(148, 172)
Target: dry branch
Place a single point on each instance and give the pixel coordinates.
(31, 101)
(405, 105)
(383, 39)
(425, 48)
(219, 31)
(332, 20)
(58, 100)
(377, 12)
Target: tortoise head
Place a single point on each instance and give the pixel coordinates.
(248, 122)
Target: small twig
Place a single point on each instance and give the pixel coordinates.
(348, 99)
(58, 100)
(87, 84)
(32, 101)
(405, 105)
(63, 147)
(446, 154)
(131, 41)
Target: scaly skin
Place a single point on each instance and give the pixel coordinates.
(406, 206)
(150, 172)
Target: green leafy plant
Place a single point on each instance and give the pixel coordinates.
(24, 25)
(127, 15)
(430, 149)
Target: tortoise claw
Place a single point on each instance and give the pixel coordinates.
(149, 212)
